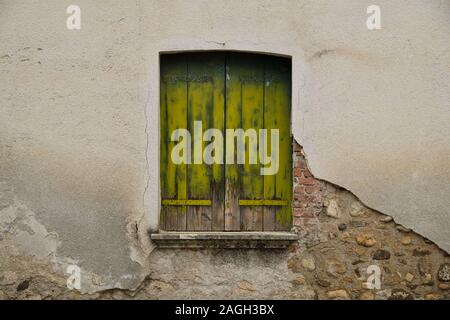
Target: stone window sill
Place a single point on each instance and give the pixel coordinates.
(238, 240)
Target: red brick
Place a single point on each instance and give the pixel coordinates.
(299, 189)
(308, 202)
(300, 204)
(304, 212)
(297, 212)
(312, 189)
(297, 222)
(307, 173)
(307, 181)
(301, 197)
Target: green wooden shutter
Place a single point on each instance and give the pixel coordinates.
(173, 100)
(225, 91)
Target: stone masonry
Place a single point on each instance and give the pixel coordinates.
(341, 240)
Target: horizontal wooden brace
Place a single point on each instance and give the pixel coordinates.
(263, 203)
(177, 202)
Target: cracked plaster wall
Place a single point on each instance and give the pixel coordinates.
(79, 129)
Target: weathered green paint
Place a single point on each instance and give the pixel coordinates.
(249, 71)
(170, 202)
(225, 90)
(277, 111)
(205, 104)
(233, 119)
(173, 116)
(263, 202)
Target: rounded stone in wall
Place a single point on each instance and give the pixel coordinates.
(444, 272)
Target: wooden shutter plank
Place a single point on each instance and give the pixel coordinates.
(218, 122)
(173, 116)
(246, 202)
(283, 216)
(169, 202)
(252, 99)
(277, 116)
(232, 120)
(270, 123)
(163, 144)
(206, 83)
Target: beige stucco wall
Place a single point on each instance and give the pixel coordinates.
(79, 129)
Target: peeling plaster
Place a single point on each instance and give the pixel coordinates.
(80, 114)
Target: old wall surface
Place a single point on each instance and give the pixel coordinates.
(342, 243)
(79, 180)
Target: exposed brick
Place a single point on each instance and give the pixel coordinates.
(299, 189)
(312, 189)
(296, 221)
(307, 202)
(300, 204)
(300, 196)
(297, 212)
(307, 181)
(307, 173)
(304, 212)
(296, 147)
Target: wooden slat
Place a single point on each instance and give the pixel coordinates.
(218, 122)
(252, 99)
(170, 202)
(277, 116)
(270, 109)
(205, 84)
(173, 116)
(245, 202)
(163, 143)
(232, 120)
